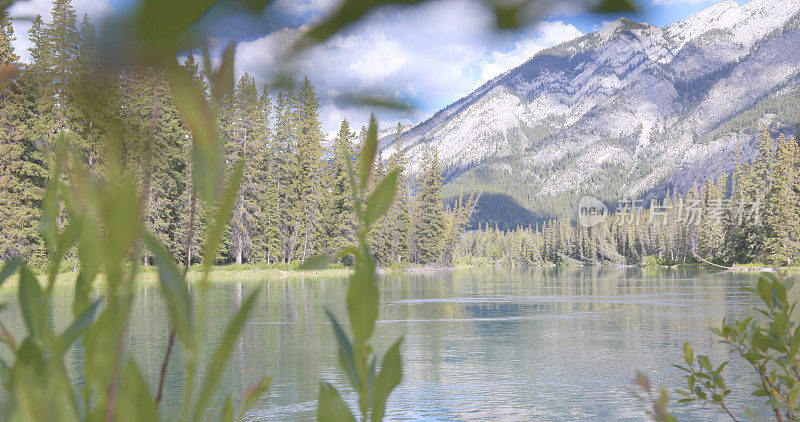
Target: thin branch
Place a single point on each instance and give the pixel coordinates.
(163, 374)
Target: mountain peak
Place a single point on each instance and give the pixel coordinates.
(613, 28)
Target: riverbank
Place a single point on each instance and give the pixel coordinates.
(234, 272)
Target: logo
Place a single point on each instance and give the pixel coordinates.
(591, 212)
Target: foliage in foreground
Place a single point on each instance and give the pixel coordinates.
(769, 342)
(101, 219)
(356, 355)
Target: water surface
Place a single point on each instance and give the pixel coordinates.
(480, 344)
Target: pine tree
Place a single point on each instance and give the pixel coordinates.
(162, 161)
(339, 217)
(781, 211)
(22, 165)
(244, 142)
(428, 214)
(308, 179)
(64, 49)
(285, 147)
(397, 218)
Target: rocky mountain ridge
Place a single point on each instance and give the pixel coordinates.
(630, 110)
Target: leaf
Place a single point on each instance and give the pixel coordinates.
(174, 288)
(704, 362)
(224, 214)
(688, 353)
(764, 288)
(330, 407)
(614, 6)
(226, 415)
(780, 290)
(382, 197)
(64, 241)
(76, 328)
(134, 402)
(362, 300)
(214, 370)
(9, 268)
(89, 256)
(367, 157)
(389, 377)
(33, 304)
(196, 113)
(318, 262)
(375, 100)
(348, 13)
(346, 356)
(508, 16)
(253, 393)
(223, 78)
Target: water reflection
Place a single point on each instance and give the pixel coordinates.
(480, 344)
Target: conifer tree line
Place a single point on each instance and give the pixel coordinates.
(751, 216)
(294, 200)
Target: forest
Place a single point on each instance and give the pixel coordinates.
(294, 201)
(746, 218)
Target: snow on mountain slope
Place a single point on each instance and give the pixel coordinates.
(626, 110)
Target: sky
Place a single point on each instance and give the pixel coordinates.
(427, 56)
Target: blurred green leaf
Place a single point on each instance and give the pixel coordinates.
(196, 113)
(346, 356)
(764, 288)
(224, 213)
(318, 262)
(348, 13)
(217, 365)
(615, 6)
(75, 329)
(780, 290)
(222, 79)
(367, 157)
(376, 100)
(688, 353)
(508, 15)
(33, 304)
(390, 375)
(362, 300)
(174, 287)
(64, 241)
(9, 268)
(134, 403)
(381, 198)
(253, 393)
(89, 256)
(331, 407)
(226, 414)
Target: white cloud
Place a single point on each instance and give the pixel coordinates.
(429, 55)
(547, 34)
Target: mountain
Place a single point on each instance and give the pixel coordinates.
(629, 111)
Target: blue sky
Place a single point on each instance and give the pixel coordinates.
(427, 56)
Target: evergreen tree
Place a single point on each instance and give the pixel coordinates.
(307, 184)
(428, 213)
(782, 207)
(22, 165)
(162, 163)
(397, 218)
(339, 217)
